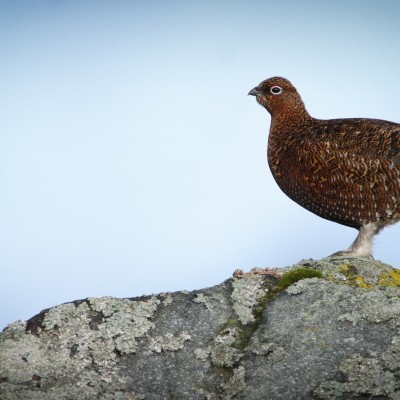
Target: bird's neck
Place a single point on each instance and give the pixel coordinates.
(290, 117)
(289, 122)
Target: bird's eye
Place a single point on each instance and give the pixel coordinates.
(276, 90)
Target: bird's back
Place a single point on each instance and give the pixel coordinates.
(368, 137)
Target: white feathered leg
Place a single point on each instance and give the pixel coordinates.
(362, 246)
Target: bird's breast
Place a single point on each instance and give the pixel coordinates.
(311, 177)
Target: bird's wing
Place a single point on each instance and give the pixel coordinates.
(377, 139)
(326, 162)
(344, 186)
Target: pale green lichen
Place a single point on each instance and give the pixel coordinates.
(235, 384)
(246, 293)
(317, 337)
(364, 376)
(374, 306)
(212, 301)
(202, 299)
(227, 346)
(126, 321)
(223, 352)
(270, 349)
(169, 342)
(229, 389)
(301, 286)
(67, 346)
(202, 354)
(168, 300)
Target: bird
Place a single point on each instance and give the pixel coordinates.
(343, 170)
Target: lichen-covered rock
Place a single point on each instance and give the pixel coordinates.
(335, 337)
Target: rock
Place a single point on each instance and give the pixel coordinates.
(335, 337)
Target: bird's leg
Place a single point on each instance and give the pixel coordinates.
(362, 246)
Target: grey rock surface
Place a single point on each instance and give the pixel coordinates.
(335, 337)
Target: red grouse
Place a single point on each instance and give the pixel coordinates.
(344, 170)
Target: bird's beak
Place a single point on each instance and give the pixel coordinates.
(254, 92)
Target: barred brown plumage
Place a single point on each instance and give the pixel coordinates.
(343, 170)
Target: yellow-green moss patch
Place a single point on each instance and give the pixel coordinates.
(390, 277)
(296, 275)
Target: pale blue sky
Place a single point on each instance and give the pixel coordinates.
(132, 160)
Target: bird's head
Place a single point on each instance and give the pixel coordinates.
(279, 97)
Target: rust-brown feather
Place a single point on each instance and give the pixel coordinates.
(344, 170)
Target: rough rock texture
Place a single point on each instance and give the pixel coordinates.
(337, 337)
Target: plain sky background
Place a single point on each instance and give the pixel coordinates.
(132, 160)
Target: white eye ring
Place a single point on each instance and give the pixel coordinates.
(276, 90)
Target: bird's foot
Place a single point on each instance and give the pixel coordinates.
(362, 246)
(350, 253)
